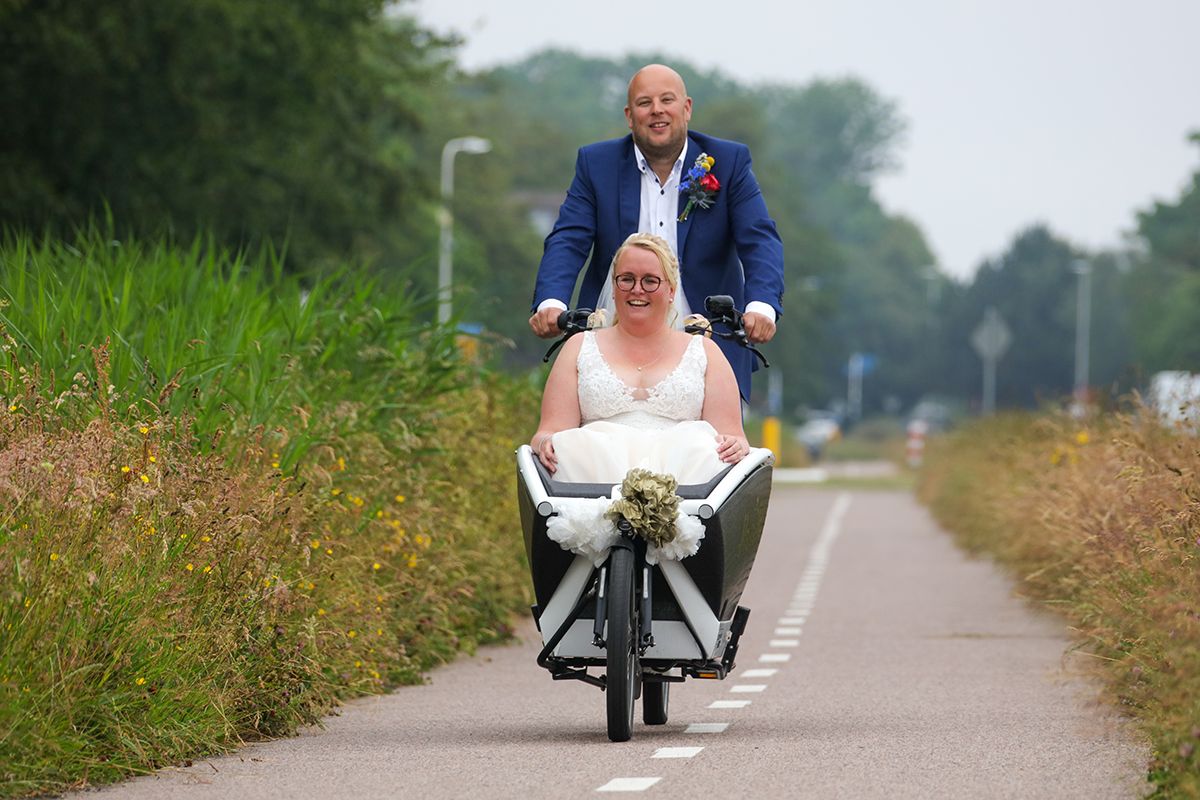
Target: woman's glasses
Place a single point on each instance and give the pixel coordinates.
(626, 281)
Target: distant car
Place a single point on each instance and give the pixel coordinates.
(1174, 396)
(818, 432)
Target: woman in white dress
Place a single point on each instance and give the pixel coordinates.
(640, 393)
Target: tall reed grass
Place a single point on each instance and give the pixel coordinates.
(1101, 521)
(230, 496)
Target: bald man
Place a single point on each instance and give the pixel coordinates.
(632, 184)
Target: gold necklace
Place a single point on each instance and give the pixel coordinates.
(650, 363)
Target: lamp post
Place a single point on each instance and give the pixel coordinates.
(1083, 321)
(463, 144)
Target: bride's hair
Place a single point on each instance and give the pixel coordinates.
(659, 247)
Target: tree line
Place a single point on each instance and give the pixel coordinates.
(318, 129)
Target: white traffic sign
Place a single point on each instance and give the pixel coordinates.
(991, 337)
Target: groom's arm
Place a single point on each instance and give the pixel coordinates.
(759, 248)
(565, 251)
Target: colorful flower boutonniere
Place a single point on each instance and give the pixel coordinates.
(699, 184)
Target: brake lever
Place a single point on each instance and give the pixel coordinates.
(570, 323)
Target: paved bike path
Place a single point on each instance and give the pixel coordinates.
(879, 662)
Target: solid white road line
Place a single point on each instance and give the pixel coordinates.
(676, 752)
(707, 727)
(628, 785)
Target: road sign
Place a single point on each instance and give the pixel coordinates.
(991, 337)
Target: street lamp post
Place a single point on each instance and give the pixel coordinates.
(463, 144)
(1083, 321)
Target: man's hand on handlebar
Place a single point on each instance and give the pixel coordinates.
(545, 322)
(759, 327)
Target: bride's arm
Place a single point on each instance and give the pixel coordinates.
(723, 406)
(560, 403)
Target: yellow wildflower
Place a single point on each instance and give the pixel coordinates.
(140, 681)
(144, 478)
(125, 469)
(379, 514)
(320, 612)
(335, 492)
(351, 633)
(358, 663)
(358, 501)
(328, 551)
(144, 430)
(153, 460)
(206, 538)
(183, 536)
(275, 464)
(1082, 437)
(374, 674)
(412, 561)
(376, 565)
(12, 408)
(341, 464)
(54, 556)
(315, 544)
(400, 498)
(190, 567)
(207, 570)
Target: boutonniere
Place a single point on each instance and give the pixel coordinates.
(699, 184)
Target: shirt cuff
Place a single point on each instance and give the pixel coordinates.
(759, 307)
(550, 302)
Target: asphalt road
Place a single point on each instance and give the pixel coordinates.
(879, 663)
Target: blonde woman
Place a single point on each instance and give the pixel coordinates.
(640, 393)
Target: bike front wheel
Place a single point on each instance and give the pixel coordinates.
(621, 640)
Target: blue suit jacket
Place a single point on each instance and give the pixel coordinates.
(730, 248)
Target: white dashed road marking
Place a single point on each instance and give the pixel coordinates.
(676, 752)
(759, 673)
(628, 785)
(729, 704)
(749, 688)
(774, 658)
(707, 727)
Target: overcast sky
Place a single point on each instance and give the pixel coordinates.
(1069, 112)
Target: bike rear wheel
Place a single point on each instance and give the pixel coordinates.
(621, 639)
(655, 697)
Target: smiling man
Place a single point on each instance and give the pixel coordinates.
(696, 191)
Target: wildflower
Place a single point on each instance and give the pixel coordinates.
(412, 561)
(144, 430)
(266, 582)
(206, 538)
(28, 602)
(54, 556)
(335, 492)
(125, 470)
(315, 544)
(352, 633)
(1082, 438)
(328, 551)
(183, 536)
(144, 478)
(400, 498)
(151, 530)
(358, 501)
(379, 514)
(376, 566)
(320, 612)
(190, 567)
(275, 464)
(357, 663)
(140, 681)
(341, 464)
(12, 408)
(153, 460)
(207, 569)
(379, 631)
(374, 674)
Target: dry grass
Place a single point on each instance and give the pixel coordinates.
(1100, 520)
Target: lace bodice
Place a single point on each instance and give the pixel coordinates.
(676, 398)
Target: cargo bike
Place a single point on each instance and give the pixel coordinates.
(645, 626)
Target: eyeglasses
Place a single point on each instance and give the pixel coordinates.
(626, 281)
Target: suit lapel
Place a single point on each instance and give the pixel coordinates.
(629, 192)
(682, 228)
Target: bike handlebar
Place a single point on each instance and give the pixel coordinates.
(719, 309)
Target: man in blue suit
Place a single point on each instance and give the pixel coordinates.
(631, 185)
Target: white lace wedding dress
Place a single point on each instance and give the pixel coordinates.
(661, 432)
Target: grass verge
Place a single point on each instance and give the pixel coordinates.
(228, 498)
(1101, 521)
